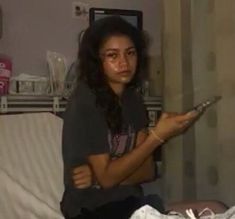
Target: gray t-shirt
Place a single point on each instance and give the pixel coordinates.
(85, 132)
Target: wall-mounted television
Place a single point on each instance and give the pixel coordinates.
(134, 17)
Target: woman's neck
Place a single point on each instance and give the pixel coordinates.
(117, 89)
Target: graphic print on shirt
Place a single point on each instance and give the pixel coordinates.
(121, 143)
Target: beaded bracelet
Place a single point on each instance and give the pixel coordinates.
(156, 136)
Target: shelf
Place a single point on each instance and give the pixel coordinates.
(20, 103)
(29, 103)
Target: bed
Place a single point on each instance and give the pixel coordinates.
(31, 168)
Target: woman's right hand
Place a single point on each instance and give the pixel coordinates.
(172, 124)
(82, 176)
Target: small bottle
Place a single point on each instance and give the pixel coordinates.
(5, 73)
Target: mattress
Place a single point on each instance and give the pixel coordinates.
(31, 167)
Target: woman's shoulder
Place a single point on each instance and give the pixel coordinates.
(83, 95)
(82, 100)
(133, 95)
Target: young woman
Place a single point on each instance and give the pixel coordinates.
(105, 126)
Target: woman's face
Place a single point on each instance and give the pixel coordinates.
(119, 60)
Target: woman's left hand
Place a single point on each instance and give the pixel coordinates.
(82, 177)
(172, 124)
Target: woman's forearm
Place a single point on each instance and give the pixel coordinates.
(112, 172)
(145, 173)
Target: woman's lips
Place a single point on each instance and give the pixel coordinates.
(124, 73)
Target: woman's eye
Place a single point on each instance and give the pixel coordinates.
(111, 55)
(131, 53)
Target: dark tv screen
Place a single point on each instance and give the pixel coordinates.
(134, 17)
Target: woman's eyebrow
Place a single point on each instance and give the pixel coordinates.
(111, 49)
(117, 49)
(131, 47)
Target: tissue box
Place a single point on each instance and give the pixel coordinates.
(29, 85)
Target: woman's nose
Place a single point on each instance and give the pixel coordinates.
(123, 61)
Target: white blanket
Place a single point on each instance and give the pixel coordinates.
(31, 168)
(147, 212)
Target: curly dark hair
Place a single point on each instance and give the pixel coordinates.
(91, 70)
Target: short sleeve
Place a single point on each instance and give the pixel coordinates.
(97, 131)
(135, 110)
(84, 131)
(141, 114)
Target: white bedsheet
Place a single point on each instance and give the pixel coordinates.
(31, 168)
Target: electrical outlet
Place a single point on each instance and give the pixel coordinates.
(80, 10)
